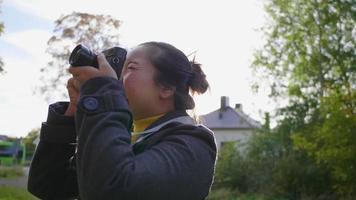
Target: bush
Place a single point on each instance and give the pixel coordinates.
(231, 172)
(270, 167)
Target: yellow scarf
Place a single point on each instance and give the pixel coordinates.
(140, 125)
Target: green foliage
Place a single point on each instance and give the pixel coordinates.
(310, 47)
(229, 170)
(230, 194)
(332, 141)
(98, 32)
(309, 59)
(13, 193)
(29, 142)
(223, 193)
(278, 170)
(270, 167)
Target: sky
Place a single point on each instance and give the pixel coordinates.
(224, 33)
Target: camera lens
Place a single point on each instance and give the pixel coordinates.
(75, 55)
(82, 56)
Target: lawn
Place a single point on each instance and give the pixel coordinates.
(11, 172)
(12, 175)
(228, 194)
(14, 193)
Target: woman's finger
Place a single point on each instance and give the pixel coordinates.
(73, 71)
(103, 63)
(105, 68)
(76, 83)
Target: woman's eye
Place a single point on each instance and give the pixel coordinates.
(131, 66)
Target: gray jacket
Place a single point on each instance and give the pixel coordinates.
(91, 156)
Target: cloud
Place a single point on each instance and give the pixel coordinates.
(11, 51)
(17, 19)
(29, 42)
(20, 110)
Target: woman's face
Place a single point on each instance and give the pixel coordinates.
(140, 87)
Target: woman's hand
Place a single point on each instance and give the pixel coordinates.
(83, 74)
(73, 92)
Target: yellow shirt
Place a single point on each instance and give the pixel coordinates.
(140, 125)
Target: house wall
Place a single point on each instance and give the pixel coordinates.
(227, 135)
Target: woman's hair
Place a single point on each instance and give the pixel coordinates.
(175, 70)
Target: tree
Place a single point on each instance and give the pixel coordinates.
(230, 169)
(1, 31)
(332, 141)
(271, 167)
(309, 59)
(29, 142)
(98, 32)
(310, 47)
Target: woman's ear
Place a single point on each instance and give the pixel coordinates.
(166, 92)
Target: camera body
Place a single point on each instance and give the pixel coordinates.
(83, 56)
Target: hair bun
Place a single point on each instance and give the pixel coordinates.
(198, 82)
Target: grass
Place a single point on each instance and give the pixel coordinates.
(12, 193)
(11, 172)
(223, 194)
(229, 194)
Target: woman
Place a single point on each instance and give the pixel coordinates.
(167, 156)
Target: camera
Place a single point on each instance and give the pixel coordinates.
(83, 56)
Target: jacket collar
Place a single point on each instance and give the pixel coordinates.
(167, 117)
(175, 116)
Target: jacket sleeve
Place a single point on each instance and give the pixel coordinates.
(51, 175)
(176, 168)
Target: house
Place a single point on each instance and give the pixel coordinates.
(230, 124)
